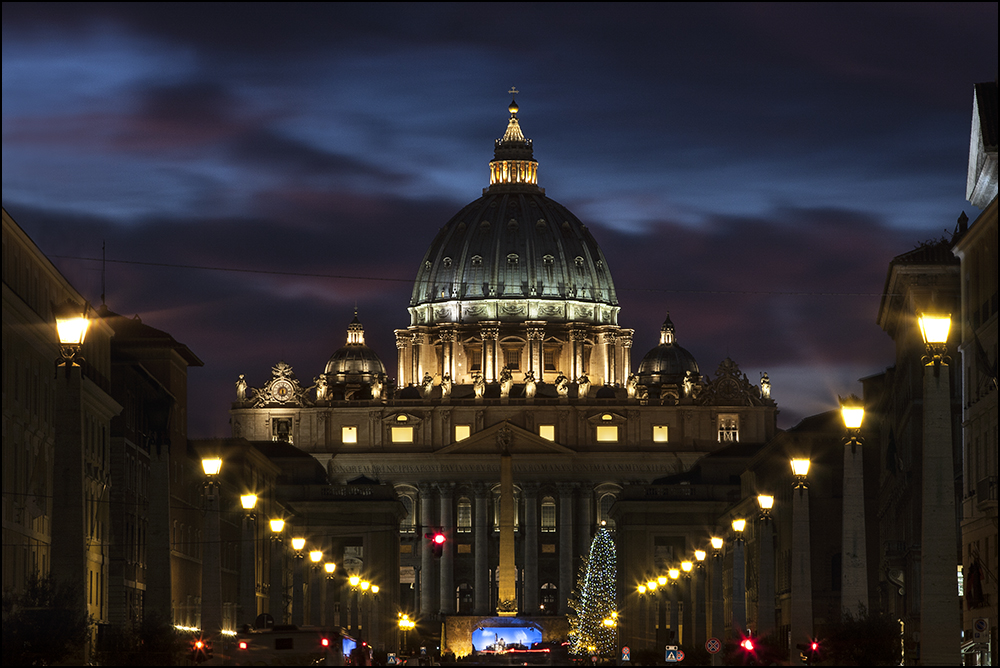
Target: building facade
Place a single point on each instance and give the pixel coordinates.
(513, 347)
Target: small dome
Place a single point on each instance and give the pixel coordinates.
(667, 362)
(355, 362)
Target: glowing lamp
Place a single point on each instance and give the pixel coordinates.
(325, 642)
(662, 580)
(765, 501)
(739, 525)
(316, 556)
(700, 555)
(651, 585)
(800, 467)
(298, 544)
(674, 573)
(686, 566)
(277, 525)
(330, 567)
(641, 589)
(354, 580)
(71, 323)
(852, 410)
(248, 501)
(934, 328)
(716, 543)
(365, 584)
(211, 466)
(374, 589)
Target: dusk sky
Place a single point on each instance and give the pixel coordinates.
(257, 170)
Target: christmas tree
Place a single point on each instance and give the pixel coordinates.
(593, 601)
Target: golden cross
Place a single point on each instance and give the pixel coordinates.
(513, 91)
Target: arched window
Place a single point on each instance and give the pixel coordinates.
(549, 604)
(548, 514)
(603, 507)
(464, 524)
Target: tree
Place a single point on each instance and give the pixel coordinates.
(43, 624)
(870, 639)
(594, 600)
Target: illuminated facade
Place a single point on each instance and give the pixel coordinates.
(513, 346)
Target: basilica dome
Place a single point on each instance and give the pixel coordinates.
(514, 254)
(667, 362)
(355, 362)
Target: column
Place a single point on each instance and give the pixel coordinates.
(298, 604)
(248, 574)
(481, 527)
(801, 576)
(316, 578)
(447, 562)
(584, 522)
(566, 556)
(276, 592)
(577, 337)
(608, 341)
(490, 335)
(426, 500)
(765, 578)
(417, 369)
(531, 590)
(739, 621)
(536, 357)
(625, 345)
(939, 611)
(447, 352)
(403, 354)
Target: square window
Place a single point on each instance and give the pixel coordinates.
(462, 431)
(607, 434)
(402, 434)
(660, 433)
(348, 434)
(547, 431)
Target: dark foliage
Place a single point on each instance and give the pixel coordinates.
(44, 624)
(870, 639)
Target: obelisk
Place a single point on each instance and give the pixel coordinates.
(507, 586)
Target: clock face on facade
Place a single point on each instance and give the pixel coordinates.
(282, 391)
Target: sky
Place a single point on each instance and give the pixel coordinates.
(254, 172)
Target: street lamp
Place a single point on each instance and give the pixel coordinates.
(72, 324)
(765, 568)
(405, 625)
(854, 560)
(248, 561)
(298, 566)
(698, 596)
(276, 592)
(939, 617)
(211, 566)
(739, 620)
(718, 611)
(801, 576)
(330, 569)
(687, 618)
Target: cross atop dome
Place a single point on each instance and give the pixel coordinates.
(513, 159)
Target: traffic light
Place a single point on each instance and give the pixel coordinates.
(749, 652)
(200, 650)
(437, 542)
(809, 652)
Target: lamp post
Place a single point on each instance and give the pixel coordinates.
(718, 612)
(330, 569)
(801, 576)
(687, 618)
(765, 575)
(643, 614)
(315, 586)
(654, 611)
(701, 619)
(353, 620)
(739, 620)
(673, 575)
(854, 560)
(211, 563)
(248, 561)
(276, 592)
(939, 611)
(661, 585)
(298, 565)
(69, 529)
(405, 626)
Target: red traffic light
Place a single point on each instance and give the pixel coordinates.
(325, 642)
(747, 644)
(814, 646)
(438, 539)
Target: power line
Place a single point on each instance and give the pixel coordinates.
(384, 279)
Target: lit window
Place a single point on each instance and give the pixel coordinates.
(607, 434)
(401, 418)
(660, 433)
(604, 508)
(607, 417)
(548, 515)
(402, 434)
(462, 431)
(349, 434)
(547, 431)
(464, 516)
(512, 358)
(729, 428)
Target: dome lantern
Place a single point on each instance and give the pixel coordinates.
(513, 163)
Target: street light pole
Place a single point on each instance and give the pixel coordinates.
(298, 565)
(939, 611)
(276, 592)
(700, 609)
(718, 611)
(854, 565)
(315, 587)
(801, 576)
(211, 563)
(248, 561)
(739, 622)
(765, 566)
